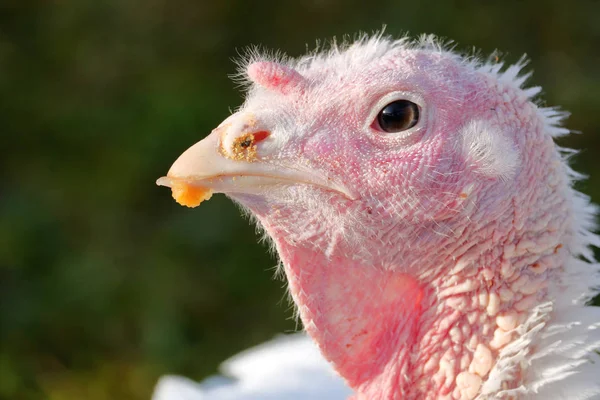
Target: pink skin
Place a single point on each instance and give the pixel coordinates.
(406, 283)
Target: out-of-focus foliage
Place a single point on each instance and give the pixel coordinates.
(105, 282)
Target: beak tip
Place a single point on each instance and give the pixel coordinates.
(164, 181)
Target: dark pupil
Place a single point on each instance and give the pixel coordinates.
(398, 116)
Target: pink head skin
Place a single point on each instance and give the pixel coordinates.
(419, 259)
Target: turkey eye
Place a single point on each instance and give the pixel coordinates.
(398, 116)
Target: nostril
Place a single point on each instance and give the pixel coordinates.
(250, 139)
(244, 147)
(246, 142)
(260, 136)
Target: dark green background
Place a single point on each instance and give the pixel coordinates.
(105, 282)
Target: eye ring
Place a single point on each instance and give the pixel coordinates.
(404, 137)
(397, 116)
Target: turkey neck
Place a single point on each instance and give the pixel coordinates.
(392, 336)
(365, 320)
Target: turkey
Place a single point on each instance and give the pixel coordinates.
(424, 218)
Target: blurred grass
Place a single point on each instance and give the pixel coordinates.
(105, 283)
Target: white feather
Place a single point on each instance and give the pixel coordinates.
(488, 150)
(288, 367)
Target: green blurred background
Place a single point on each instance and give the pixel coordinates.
(105, 282)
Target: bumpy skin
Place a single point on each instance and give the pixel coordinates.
(453, 260)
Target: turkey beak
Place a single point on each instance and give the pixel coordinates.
(229, 160)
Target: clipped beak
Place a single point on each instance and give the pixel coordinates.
(227, 162)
